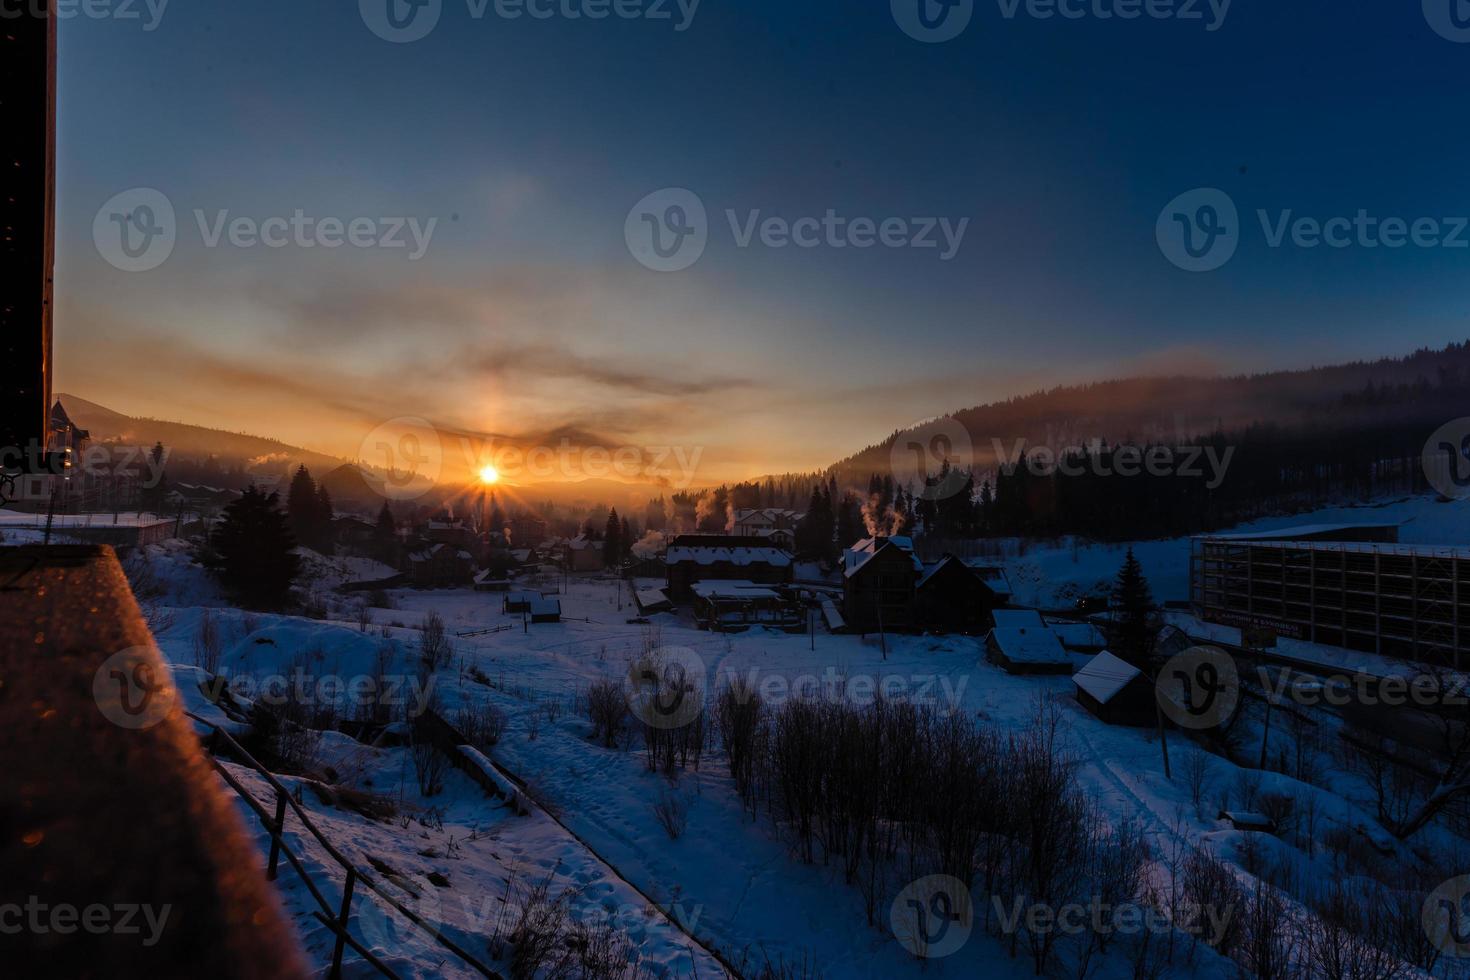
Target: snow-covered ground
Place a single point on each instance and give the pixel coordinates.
(728, 879)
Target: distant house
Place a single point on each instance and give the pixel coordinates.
(693, 558)
(1027, 650)
(439, 566)
(995, 577)
(450, 532)
(736, 605)
(652, 601)
(546, 610)
(1080, 637)
(490, 581)
(527, 531)
(953, 597)
(526, 557)
(879, 586)
(1115, 691)
(519, 602)
(582, 554)
(354, 532)
(765, 522)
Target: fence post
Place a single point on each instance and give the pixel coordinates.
(270, 872)
(342, 923)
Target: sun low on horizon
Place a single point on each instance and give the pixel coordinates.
(489, 475)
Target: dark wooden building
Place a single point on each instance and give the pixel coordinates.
(953, 597)
(881, 591)
(1116, 691)
(695, 558)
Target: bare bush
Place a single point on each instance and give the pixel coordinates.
(739, 717)
(208, 645)
(1268, 946)
(481, 724)
(1197, 776)
(672, 812)
(607, 709)
(435, 648)
(1348, 937)
(1209, 885)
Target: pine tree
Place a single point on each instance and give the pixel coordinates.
(302, 504)
(1135, 616)
(612, 540)
(257, 560)
(155, 494)
(321, 531)
(385, 536)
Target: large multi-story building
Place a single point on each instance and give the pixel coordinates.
(1351, 586)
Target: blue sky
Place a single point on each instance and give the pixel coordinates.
(528, 141)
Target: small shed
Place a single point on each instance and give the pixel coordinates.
(545, 610)
(1255, 822)
(1027, 650)
(653, 601)
(1081, 637)
(1017, 619)
(490, 582)
(1115, 691)
(520, 602)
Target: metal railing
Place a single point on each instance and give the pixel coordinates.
(336, 921)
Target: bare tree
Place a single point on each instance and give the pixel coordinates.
(208, 646)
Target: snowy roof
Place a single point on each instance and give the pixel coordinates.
(1018, 619)
(932, 570)
(861, 553)
(765, 514)
(521, 597)
(994, 576)
(1298, 533)
(1030, 645)
(545, 607)
(652, 597)
(1079, 635)
(1105, 676)
(733, 590)
(731, 555)
(833, 618)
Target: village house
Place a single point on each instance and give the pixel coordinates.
(527, 531)
(773, 525)
(1027, 650)
(439, 566)
(695, 558)
(354, 532)
(879, 585)
(582, 554)
(953, 597)
(759, 523)
(1115, 691)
